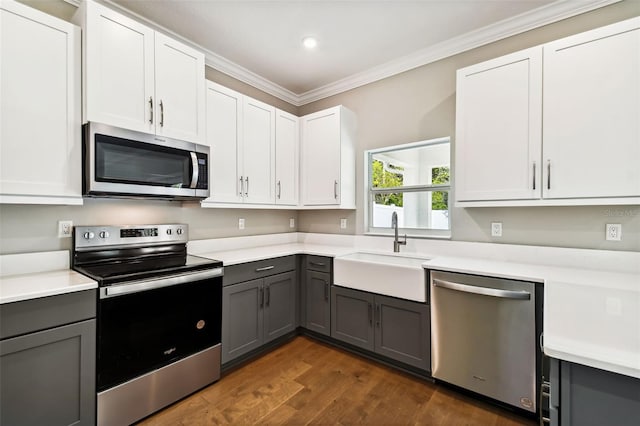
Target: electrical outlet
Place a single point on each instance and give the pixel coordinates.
(614, 232)
(292, 223)
(343, 223)
(240, 223)
(496, 229)
(65, 228)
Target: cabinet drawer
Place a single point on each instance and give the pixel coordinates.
(46, 312)
(318, 263)
(262, 268)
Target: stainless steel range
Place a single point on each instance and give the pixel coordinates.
(159, 317)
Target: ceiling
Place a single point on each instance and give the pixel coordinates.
(359, 41)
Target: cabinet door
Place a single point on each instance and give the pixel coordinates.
(119, 70)
(498, 128)
(318, 307)
(258, 151)
(242, 318)
(321, 158)
(592, 113)
(48, 377)
(180, 90)
(40, 143)
(279, 305)
(224, 135)
(402, 331)
(352, 317)
(287, 139)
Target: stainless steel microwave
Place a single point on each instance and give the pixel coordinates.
(124, 163)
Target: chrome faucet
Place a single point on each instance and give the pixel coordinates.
(396, 242)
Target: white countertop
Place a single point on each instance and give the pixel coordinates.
(33, 275)
(234, 257)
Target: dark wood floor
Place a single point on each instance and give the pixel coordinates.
(308, 382)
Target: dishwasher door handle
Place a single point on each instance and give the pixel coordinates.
(484, 291)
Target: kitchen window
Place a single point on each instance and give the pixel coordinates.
(412, 180)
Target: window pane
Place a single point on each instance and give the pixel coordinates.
(419, 210)
(425, 165)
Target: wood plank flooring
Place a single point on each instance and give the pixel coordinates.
(308, 382)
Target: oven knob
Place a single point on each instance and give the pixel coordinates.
(103, 234)
(179, 231)
(169, 231)
(88, 235)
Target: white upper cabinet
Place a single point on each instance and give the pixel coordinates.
(592, 113)
(40, 142)
(563, 133)
(287, 142)
(241, 134)
(258, 151)
(224, 137)
(139, 79)
(498, 128)
(328, 159)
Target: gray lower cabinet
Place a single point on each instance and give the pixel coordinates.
(586, 396)
(395, 328)
(317, 303)
(48, 376)
(256, 312)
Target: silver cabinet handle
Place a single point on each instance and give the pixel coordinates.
(150, 109)
(268, 296)
(196, 170)
(370, 313)
(483, 291)
(534, 175)
(335, 189)
(241, 186)
(144, 285)
(246, 189)
(161, 114)
(261, 297)
(378, 316)
(279, 189)
(265, 268)
(548, 174)
(317, 263)
(326, 291)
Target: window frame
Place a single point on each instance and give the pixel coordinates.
(370, 192)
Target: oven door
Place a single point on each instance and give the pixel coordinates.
(146, 325)
(120, 162)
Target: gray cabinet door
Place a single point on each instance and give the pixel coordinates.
(352, 317)
(279, 305)
(242, 326)
(594, 397)
(318, 311)
(402, 331)
(48, 377)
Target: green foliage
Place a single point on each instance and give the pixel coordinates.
(382, 178)
(440, 199)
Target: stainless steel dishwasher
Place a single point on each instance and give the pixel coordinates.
(483, 336)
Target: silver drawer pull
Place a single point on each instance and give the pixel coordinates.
(265, 268)
(317, 263)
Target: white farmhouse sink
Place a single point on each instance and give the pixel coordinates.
(393, 274)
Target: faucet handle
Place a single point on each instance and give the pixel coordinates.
(404, 242)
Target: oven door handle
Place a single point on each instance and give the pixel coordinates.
(144, 285)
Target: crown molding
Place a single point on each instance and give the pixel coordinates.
(551, 13)
(557, 11)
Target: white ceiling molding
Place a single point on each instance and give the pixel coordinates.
(509, 27)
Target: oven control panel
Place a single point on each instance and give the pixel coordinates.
(87, 237)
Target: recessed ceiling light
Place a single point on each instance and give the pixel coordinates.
(309, 42)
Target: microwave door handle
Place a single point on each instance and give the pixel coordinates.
(195, 171)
